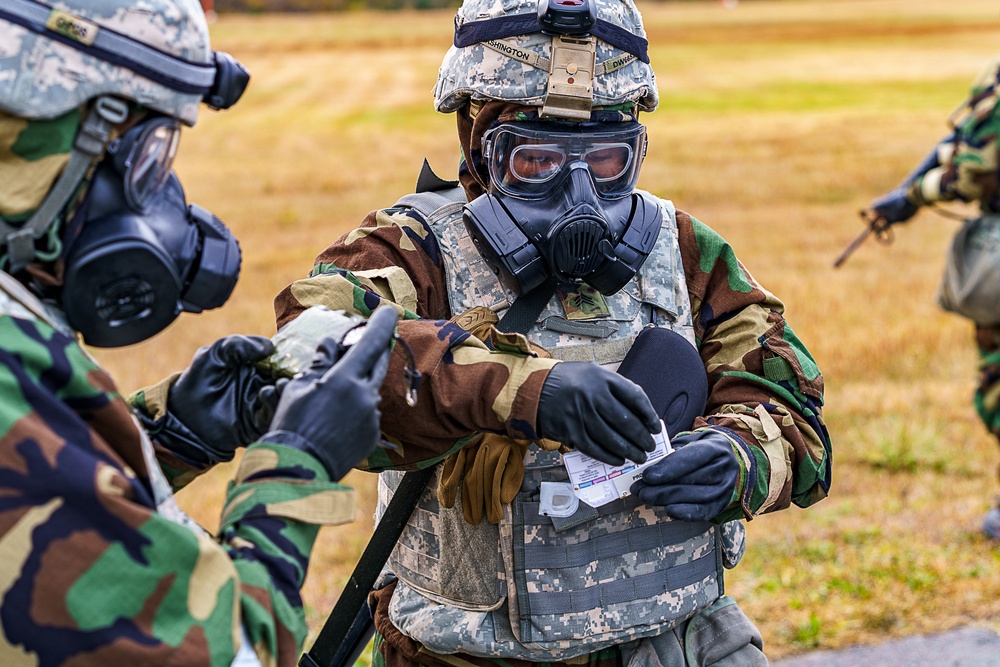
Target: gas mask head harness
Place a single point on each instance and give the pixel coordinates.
(562, 203)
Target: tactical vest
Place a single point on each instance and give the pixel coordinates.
(536, 587)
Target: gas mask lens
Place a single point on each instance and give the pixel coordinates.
(524, 160)
(144, 156)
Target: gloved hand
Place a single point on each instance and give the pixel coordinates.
(894, 206)
(331, 411)
(222, 399)
(695, 482)
(597, 412)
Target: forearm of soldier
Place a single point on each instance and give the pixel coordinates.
(927, 189)
(273, 510)
(767, 389)
(392, 257)
(180, 462)
(466, 389)
(782, 460)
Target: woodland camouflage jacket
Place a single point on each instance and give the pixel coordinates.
(764, 386)
(91, 573)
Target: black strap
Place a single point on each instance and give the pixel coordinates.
(350, 625)
(501, 27)
(524, 312)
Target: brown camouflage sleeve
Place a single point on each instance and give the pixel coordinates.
(393, 258)
(766, 391)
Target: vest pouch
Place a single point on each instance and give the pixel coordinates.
(441, 556)
(628, 573)
(970, 285)
(734, 543)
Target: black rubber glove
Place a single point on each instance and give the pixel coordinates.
(695, 482)
(218, 399)
(597, 412)
(894, 206)
(331, 411)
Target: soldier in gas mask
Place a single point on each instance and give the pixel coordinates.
(963, 166)
(547, 98)
(97, 242)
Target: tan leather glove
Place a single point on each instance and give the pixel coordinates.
(490, 469)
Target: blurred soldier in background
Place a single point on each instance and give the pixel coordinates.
(547, 211)
(963, 166)
(100, 566)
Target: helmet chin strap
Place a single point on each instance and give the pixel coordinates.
(88, 146)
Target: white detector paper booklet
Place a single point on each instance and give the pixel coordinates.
(597, 483)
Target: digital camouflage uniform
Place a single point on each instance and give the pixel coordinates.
(761, 376)
(968, 171)
(766, 394)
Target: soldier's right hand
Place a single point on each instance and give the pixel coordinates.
(894, 207)
(331, 411)
(597, 412)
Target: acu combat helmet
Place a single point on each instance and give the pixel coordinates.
(60, 55)
(547, 94)
(596, 57)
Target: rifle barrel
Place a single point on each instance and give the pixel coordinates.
(852, 246)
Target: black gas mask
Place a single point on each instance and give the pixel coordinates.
(136, 254)
(562, 204)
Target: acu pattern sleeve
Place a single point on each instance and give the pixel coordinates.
(765, 390)
(394, 258)
(92, 572)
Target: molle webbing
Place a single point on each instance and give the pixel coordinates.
(621, 591)
(599, 351)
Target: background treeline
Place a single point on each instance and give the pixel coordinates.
(327, 5)
(333, 5)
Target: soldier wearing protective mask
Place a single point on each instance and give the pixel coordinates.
(97, 242)
(547, 211)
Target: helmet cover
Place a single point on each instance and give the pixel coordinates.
(45, 73)
(481, 72)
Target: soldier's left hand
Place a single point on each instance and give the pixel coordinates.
(894, 207)
(695, 482)
(222, 398)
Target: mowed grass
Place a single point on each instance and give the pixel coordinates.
(778, 122)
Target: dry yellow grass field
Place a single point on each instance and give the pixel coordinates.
(779, 120)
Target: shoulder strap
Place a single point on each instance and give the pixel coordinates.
(432, 192)
(350, 625)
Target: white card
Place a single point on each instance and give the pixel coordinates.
(597, 483)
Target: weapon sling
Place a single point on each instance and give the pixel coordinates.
(350, 625)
